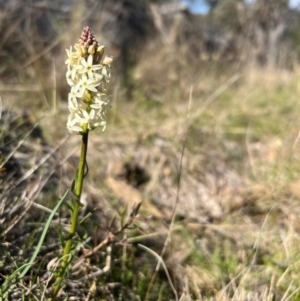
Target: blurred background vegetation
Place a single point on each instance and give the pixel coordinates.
(234, 33)
(205, 117)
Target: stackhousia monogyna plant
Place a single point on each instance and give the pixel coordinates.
(88, 73)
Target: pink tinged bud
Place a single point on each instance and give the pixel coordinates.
(107, 60)
(87, 38)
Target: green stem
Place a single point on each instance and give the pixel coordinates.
(74, 219)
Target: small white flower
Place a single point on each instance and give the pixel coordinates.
(106, 72)
(75, 92)
(86, 83)
(72, 57)
(89, 119)
(73, 105)
(72, 127)
(101, 123)
(98, 103)
(88, 67)
(99, 77)
(69, 76)
(97, 106)
(101, 104)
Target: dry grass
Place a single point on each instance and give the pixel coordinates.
(236, 231)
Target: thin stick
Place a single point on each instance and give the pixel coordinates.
(163, 265)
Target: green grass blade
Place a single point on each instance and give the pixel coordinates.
(3, 289)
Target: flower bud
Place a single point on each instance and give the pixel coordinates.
(91, 49)
(107, 60)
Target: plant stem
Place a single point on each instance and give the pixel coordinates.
(75, 212)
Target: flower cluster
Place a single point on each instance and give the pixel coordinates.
(88, 74)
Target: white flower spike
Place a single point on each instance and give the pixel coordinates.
(88, 73)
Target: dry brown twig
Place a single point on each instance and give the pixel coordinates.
(110, 237)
